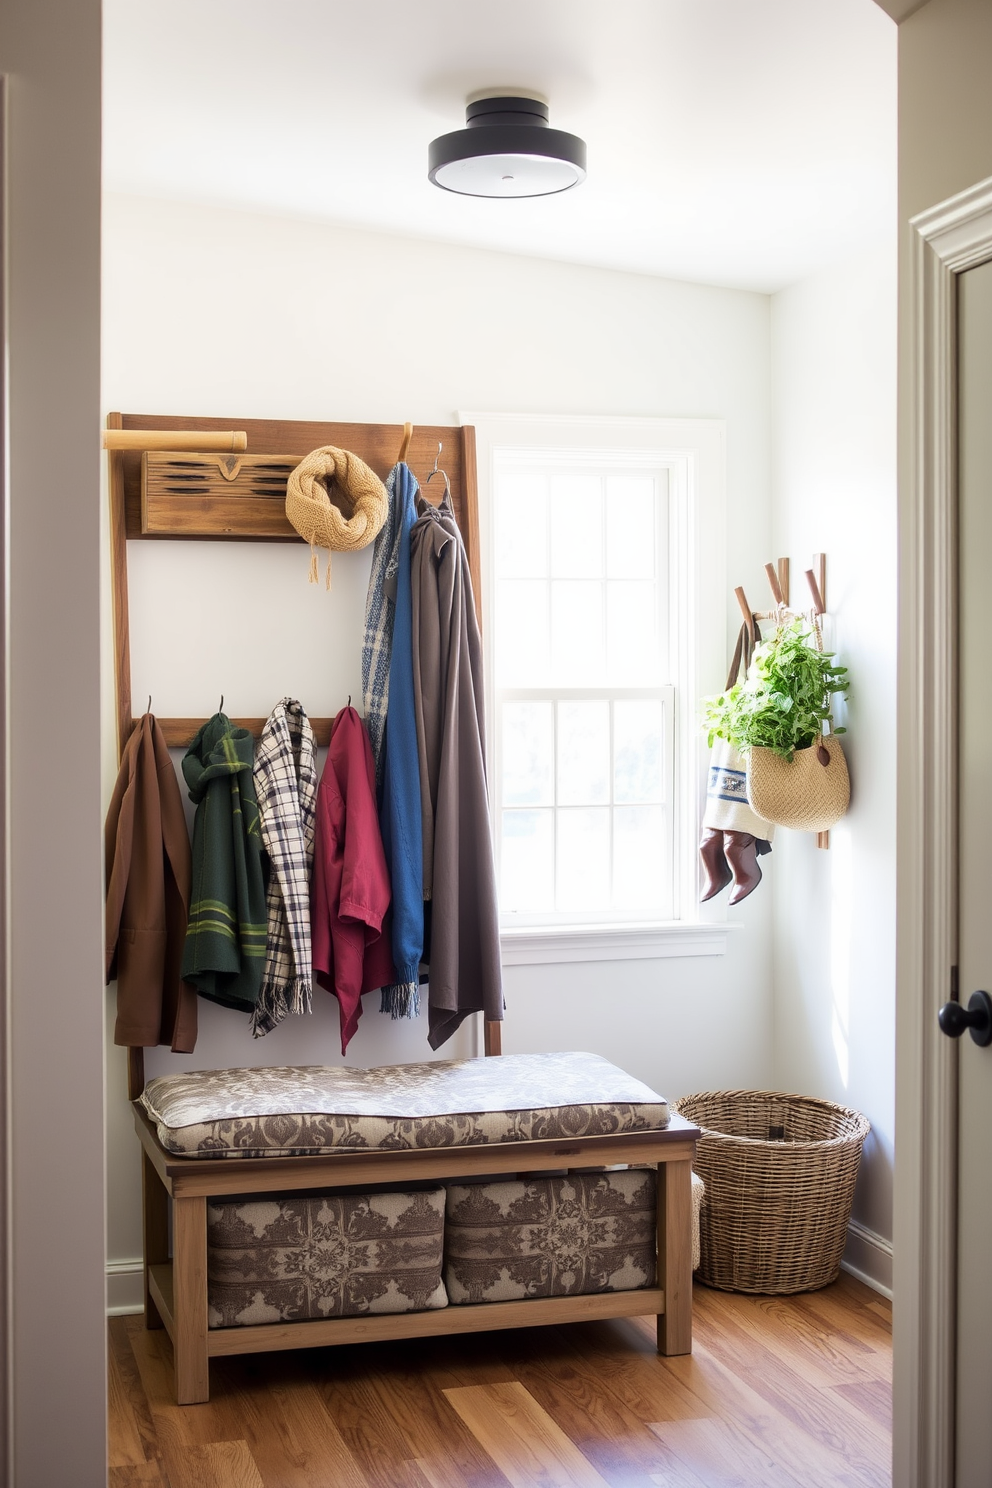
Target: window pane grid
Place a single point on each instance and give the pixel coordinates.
(582, 626)
(576, 872)
(595, 566)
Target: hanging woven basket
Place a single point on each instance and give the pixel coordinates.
(810, 792)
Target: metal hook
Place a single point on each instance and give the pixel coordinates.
(436, 471)
(349, 700)
(149, 708)
(221, 708)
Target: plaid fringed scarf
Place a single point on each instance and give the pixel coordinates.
(286, 784)
(380, 611)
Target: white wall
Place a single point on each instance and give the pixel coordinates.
(834, 446)
(53, 1341)
(217, 312)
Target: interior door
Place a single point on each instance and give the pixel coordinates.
(974, 1307)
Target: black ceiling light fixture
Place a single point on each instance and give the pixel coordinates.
(507, 149)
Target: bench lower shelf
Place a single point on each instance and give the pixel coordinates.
(467, 1318)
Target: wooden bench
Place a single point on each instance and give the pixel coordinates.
(176, 1287)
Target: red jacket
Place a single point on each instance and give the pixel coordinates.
(350, 887)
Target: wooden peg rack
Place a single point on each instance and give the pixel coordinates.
(259, 517)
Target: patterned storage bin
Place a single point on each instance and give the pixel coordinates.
(287, 1259)
(551, 1237)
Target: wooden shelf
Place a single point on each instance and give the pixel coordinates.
(478, 1317)
(482, 1317)
(376, 444)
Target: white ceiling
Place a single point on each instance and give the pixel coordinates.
(732, 142)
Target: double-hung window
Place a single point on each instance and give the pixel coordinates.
(591, 534)
(584, 701)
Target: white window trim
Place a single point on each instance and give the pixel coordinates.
(695, 452)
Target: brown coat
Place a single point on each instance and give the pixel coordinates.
(464, 973)
(148, 886)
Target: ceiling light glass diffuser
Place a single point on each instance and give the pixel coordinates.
(507, 149)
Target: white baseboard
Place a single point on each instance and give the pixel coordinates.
(125, 1287)
(868, 1257)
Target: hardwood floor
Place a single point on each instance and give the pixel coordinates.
(778, 1393)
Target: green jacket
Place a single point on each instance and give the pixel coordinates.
(224, 955)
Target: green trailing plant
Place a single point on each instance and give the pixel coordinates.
(784, 701)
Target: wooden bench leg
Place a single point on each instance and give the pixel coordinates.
(155, 1225)
(189, 1280)
(675, 1256)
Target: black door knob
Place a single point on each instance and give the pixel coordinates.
(976, 1017)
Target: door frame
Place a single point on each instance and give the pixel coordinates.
(6, 1408)
(945, 241)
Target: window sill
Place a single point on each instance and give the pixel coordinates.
(534, 946)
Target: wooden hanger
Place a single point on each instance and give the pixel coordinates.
(773, 583)
(818, 583)
(747, 612)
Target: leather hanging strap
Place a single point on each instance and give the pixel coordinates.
(743, 651)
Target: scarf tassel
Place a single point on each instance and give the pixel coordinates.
(276, 1000)
(400, 1001)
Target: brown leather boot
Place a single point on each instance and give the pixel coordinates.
(716, 869)
(741, 852)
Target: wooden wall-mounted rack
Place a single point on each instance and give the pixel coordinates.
(259, 518)
(778, 582)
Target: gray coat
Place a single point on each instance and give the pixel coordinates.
(459, 876)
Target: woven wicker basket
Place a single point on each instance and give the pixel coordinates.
(779, 1173)
(810, 792)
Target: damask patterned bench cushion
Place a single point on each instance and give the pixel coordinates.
(305, 1109)
(551, 1237)
(318, 1256)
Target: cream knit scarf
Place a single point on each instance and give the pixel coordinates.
(349, 522)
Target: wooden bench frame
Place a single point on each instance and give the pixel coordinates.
(176, 1287)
